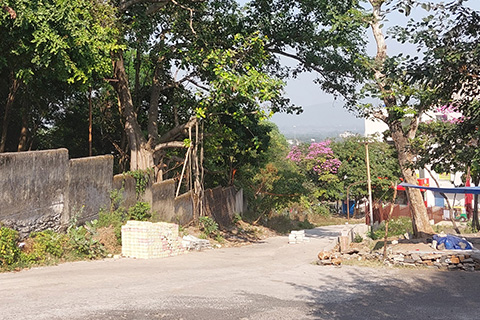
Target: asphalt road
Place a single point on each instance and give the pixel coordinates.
(268, 280)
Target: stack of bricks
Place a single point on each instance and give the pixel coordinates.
(147, 240)
(297, 237)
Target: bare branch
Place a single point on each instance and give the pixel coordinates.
(177, 131)
(170, 144)
(124, 5)
(198, 85)
(380, 116)
(191, 14)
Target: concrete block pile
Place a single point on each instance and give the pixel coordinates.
(297, 237)
(147, 240)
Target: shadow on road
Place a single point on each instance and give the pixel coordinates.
(413, 295)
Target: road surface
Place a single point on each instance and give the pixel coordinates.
(267, 280)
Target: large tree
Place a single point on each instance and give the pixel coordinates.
(451, 42)
(202, 62)
(49, 47)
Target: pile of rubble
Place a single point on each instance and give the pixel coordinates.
(445, 252)
(467, 260)
(436, 260)
(448, 260)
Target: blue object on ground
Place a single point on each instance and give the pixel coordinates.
(453, 242)
(351, 207)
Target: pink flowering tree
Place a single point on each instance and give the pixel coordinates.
(318, 163)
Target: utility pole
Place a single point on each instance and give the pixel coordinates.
(348, 199)
(90, 122)
(369, 184)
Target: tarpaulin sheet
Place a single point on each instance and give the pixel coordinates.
(471, 190)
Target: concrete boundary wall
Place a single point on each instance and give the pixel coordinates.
(39, 189)
(89, 185)
(220, 203)
(42, 190)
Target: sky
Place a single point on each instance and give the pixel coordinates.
(321, 111)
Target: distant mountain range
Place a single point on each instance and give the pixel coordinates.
(318, 122)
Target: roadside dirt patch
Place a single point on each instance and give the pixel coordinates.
(241, 233)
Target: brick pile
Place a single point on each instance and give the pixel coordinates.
(147, 240)
(297, 236)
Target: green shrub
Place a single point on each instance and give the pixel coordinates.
(83, 244)
(358, 238)
(116, 219)
(237, 217)
(9, 250)
(46, 244)
(209, 226)
(81, 240)
(396, 227)
(322, 210)
(305, 224)
(140, 211)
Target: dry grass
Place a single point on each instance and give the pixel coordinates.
(106, 236)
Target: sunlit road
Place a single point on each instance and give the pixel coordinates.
(269, 280)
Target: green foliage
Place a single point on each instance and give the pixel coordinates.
(236, 218)
(305, 224)
(352, 173)
(82, 241)
(46, 245)
(142, 178)
(83, 244)
(9, 250)
(141, 211)
(209, 226)
(396, 227)
(358, 238)
(69, 39)
(272, 182)
(322, 210)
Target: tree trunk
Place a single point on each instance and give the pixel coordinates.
(153, 109)
(420, 221)
(475, 221)
(8, 105)
(22, 141)
(401, 137)
(141, 155)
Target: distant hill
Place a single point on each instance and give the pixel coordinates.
(318, 122)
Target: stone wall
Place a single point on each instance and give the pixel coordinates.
(159, 195)
(33, 184)
(42, 189)
(126, 184)
(184, 208)
(220, 203)
(163, 203)
(89, 185)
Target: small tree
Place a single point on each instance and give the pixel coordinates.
(352, 171)
(319, 164)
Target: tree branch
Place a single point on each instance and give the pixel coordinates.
(191, 15)
(177, 131)
(170, 144)
(125, 5)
